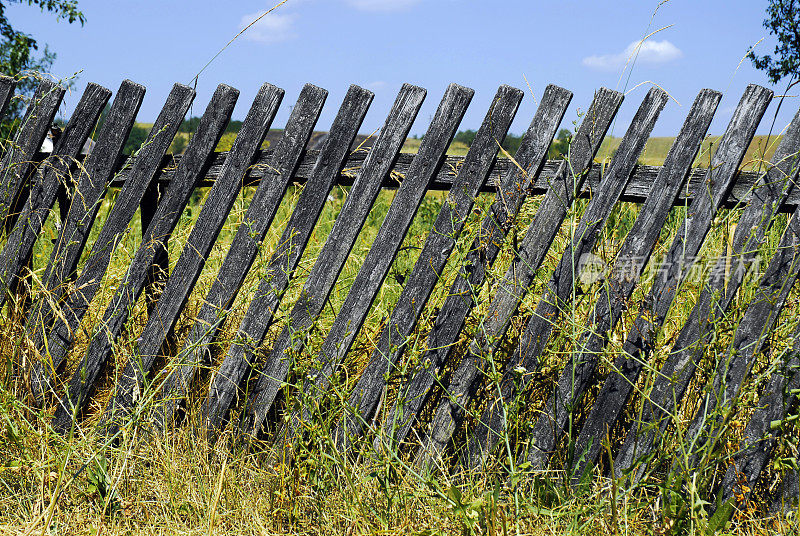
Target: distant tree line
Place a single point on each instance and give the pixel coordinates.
(558, 148)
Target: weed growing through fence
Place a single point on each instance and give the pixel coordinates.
(139, 481)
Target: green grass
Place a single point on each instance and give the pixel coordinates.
(142, 484)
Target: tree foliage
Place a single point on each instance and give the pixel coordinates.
(18, 49)
(783, 21)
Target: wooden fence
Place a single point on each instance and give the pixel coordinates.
(430, 407)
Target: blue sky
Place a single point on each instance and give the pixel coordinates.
(379, 44)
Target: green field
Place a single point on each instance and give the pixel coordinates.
(179, 484)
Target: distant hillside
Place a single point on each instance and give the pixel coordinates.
(657, 148)
(654, 153)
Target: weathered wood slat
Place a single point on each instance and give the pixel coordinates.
(682, 253)
(686, 246)
(556, 297)
(243, 251)
(7, 86)
(294, 239)
(752, 332)
(67, 310)
(52, 174)
(93, 176)
(636, 190)
(788, 495)
(198, 154)
(628, 266)
(159, 269)
(18, 158)
(780, 399)
(225, 386)
(439, 243)
(379, 259)
(530, 157)
(483, 251)
(458, 394)
(201, 239)
(714, 300)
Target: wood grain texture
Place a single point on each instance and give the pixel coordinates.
(752, 333)
(7, 86)
(293, 241)
(683, 253)
(51, 176)
(780, 399)
(636, 190)
(530, 158)
(715, 299)
(384, 248)
(436, 250)
(224, 390)
(201, 239)
(198, 155)
(560, 290)
(628, 266)
(18, 159)
(93, 177)
(159, 269)
(72, 306)
(195, 352)
(452, 316)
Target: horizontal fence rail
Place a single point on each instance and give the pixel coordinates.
(472, 339)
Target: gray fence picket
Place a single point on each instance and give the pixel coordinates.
(330, 261)
(679, 259)
(159, 269)
(198, 155)
(514, 188)
(379, 259)
(294, 239)
(201, 239)
(93, 177)
(752, 332)
(715, 299)
(63, 319)
(628, 266)
(779, 400)
(7, 86)
(18, 158)
(560, 287)
(436, 250)
(195, 352)
(449, 413)
(52, 174)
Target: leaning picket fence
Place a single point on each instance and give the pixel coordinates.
(431, 415)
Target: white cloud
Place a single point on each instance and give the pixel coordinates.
(650, 53)
(376, 85)
(273, 28)
(382, 5)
